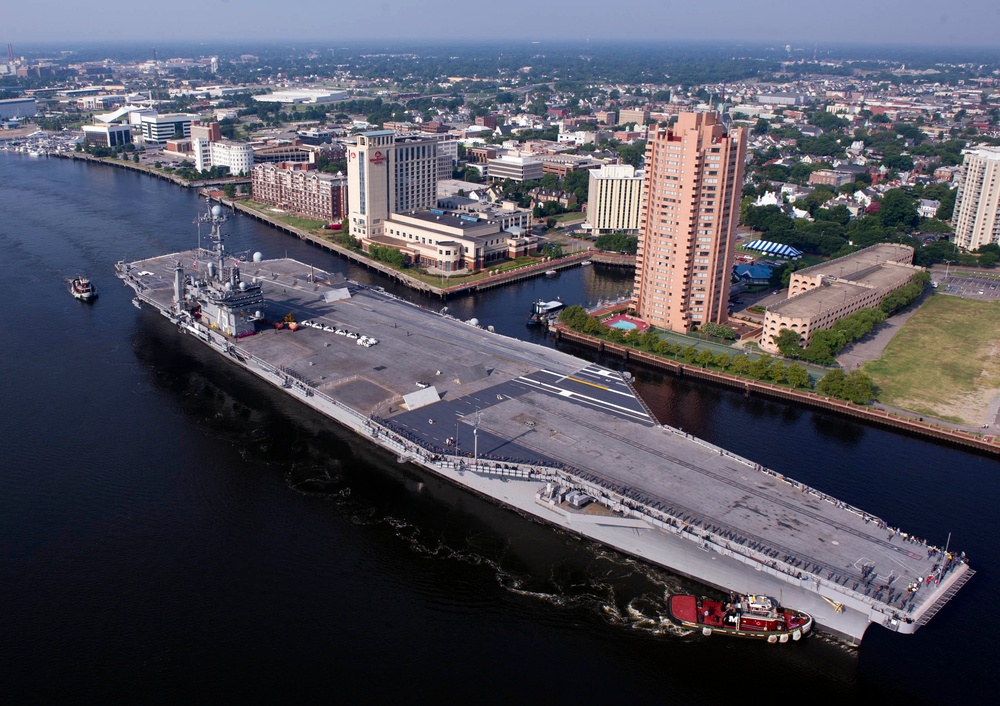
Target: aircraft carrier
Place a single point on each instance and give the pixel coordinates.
(552, 436)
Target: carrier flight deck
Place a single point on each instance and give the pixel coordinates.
(522, 424)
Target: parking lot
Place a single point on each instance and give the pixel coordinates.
(970, 287)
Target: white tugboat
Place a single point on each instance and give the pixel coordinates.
(82, 288)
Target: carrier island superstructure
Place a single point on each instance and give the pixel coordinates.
(552, 436)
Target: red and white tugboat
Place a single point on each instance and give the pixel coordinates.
(753, 616)
(82, 289)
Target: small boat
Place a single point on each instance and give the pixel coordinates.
(585, 263)
(541, 311)
(82, 289)
(550, 273)
(753, 616)
(136, 303)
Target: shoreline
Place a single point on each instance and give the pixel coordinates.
(914, 425)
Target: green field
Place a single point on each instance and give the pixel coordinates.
(944, 362)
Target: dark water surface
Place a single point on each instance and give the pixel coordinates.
(171, 527)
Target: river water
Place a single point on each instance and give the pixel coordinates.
(171, 527)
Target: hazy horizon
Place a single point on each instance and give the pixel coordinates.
(958, 24)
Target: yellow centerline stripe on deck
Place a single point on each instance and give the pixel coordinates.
(584, 382)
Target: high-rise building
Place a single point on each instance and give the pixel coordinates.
(389, 173)
(690, 208)
(614, 198)
(977, 204)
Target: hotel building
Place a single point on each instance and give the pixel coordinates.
(690, 208)
(389, 173)
(977, 204)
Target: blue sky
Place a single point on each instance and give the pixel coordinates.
(937, 22)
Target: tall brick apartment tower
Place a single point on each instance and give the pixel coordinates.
(687, 226)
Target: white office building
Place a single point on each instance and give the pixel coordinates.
(515, 168)
(614, 199)
(157, 129)
(237, 156)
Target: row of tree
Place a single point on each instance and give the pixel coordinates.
(827, 343)
(856, 387)
(764, 367)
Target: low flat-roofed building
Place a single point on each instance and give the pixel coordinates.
(105, 102)
(448, 241)
(820, 295)
(780, 98)
(17, 108)
(302, 96)
(507, 213)
(831, 177)
(563, 164)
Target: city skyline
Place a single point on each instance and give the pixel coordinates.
(968, 23)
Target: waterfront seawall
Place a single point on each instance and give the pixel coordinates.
(916, 426)
(481, 284)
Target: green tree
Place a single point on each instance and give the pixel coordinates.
(705, 358)
(761, 367)
(389, 255)
(797, 376)
(739, 365)
(711, 328)
(897, 209)
(787, 342)
(832, 384)
(618, 242)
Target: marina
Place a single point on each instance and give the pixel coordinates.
(507, 419)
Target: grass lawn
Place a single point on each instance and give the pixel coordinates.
(570, 216)
(306, 224)
(944, 362)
